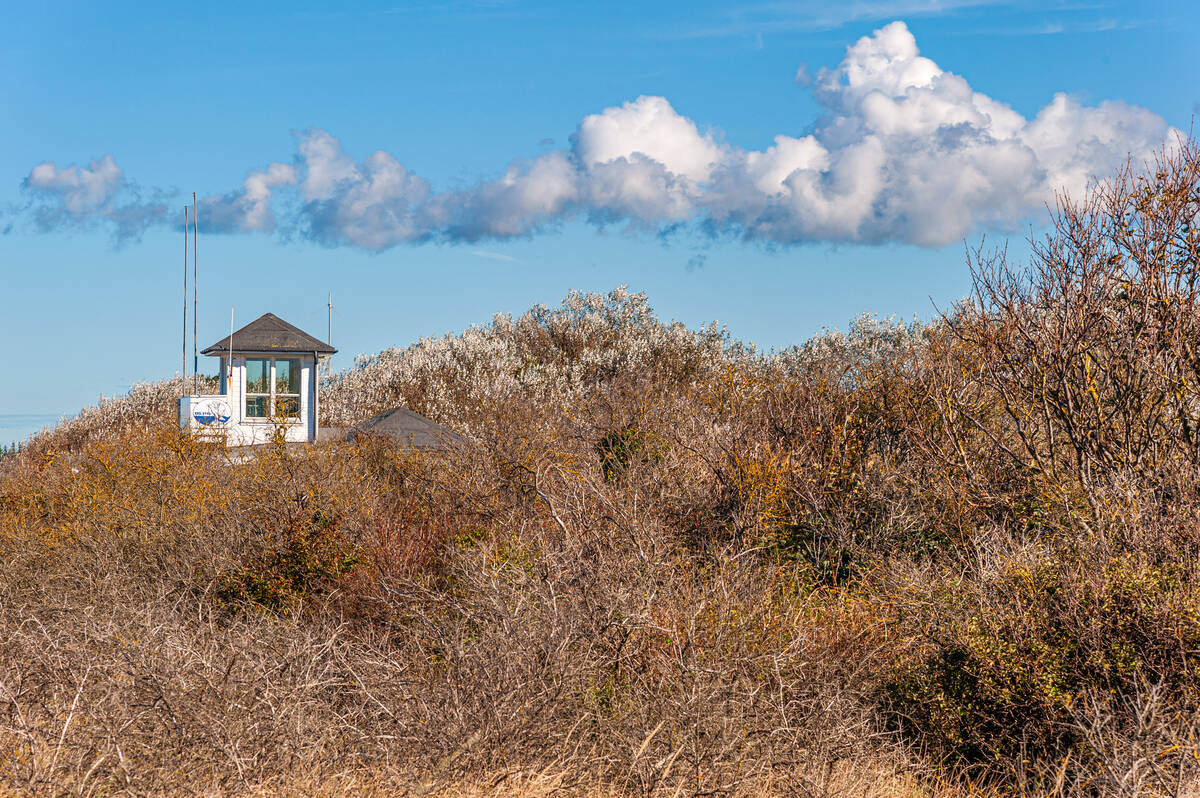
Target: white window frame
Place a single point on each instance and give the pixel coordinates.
(272, 395)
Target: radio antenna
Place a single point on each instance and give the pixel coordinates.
(183, 358)
(195, 299)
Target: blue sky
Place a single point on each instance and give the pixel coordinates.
(516, 161)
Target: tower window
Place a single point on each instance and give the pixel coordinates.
(272, 387)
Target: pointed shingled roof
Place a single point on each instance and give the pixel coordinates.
(269, 333)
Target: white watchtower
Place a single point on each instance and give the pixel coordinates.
(269, 382)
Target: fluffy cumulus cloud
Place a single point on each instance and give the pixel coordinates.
(529, 196)
(647, 128)
(80, 196)
(375, 204)
(904, 151)
(249, 208)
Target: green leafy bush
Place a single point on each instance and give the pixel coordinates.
(1001, 683)
(310, 558)
(619, 448)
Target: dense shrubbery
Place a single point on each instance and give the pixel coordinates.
(902, 560)
(309, 558)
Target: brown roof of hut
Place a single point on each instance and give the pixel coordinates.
(408, 429)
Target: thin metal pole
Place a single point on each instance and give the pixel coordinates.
(329, 337)
(229, 379)
(195, 299)
(183, 360)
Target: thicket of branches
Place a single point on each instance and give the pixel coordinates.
(904, 560)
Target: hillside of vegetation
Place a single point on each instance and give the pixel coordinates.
(948, 559)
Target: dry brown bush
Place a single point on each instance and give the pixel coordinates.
(946, 559)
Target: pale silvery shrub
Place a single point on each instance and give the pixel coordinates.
(144, 401)
(546, 354)
(869, 340)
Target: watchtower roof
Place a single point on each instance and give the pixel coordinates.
(269, 333)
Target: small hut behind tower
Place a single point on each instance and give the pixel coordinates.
(269, 382)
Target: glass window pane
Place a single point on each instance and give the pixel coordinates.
(287, 376)
(258, 375)
(288, 406)
(256, 406)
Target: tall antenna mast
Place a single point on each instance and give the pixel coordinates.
(329, 340)
(183, 359)
(195, 299)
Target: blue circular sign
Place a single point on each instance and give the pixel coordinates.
(211, 411)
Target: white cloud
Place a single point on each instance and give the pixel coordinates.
(651, 128)
(373, 204)
(528, 197)
(326, 165)
(247, 210)
(643, 162)
(905, 151)
(909, 152)
(82, 190)
(257, 194)
(1075, 143)
(769, 170)
(78, 196)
